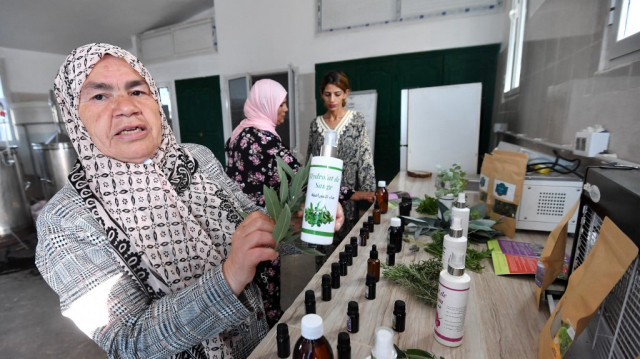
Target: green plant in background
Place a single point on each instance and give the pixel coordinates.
(282, 204)
(317, 216)
(450, 181)
(428, 205)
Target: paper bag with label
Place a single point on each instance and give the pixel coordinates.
(486, 180)
(509, 170)
(552, 258)
(588, 286)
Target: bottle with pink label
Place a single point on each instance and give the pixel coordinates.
(453, 293)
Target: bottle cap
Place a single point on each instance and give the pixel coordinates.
(383, 345)
(309, 296)
(373, 254)
(348, 248)
(398, 307)
(311, 326)
(352, 307)
(326, 280)
(283, 330)
(342, 257)
(335, 267)
(456, 264)
(382, 184)
(370, 219)
(461, 200)
(396, 222)
(329, 145)
(344, 340)
(370, 279)
(456, 228)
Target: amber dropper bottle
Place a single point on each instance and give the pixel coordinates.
(373, 263)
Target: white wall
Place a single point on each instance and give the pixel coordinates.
(29, 73)
(260, 36)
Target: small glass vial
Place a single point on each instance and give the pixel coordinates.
(382, 195)
(363, 237)
(312, 343)
(365, 229)
(373, 263)
(344, 346)
(405, 206)
(326, 287)
(370, 224)
(310, 302)
(395, 234)
(354, 246)
(349, 252)
(335, 275)
(376, 212)
(391, 255)
(353, 317)
(399, 316)
(343, 263)
(282, 338)
(370, 282)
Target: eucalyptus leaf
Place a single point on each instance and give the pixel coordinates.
(282, 165)
(284, 189)
(271, 201)
(243, 214)
(282, 224)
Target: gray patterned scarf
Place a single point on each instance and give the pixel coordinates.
(162, 218)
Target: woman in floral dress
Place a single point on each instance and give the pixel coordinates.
(251, 153)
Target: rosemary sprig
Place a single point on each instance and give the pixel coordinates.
(472, 260)
(420, 278)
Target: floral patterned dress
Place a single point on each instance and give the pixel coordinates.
(251, 162)
(354, 149)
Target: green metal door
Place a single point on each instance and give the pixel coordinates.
(200, 113)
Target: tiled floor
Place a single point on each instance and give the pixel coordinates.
(31, 325)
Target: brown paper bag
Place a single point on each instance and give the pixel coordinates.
(510, 169)
(588, 286)
(552, 257)
(486, 180)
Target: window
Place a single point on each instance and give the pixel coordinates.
(517, 17)
(623, 31)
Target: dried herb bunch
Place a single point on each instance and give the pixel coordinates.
(420, 278)
(472, 260)
(282, 204)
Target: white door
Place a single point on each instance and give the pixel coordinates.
(443, 127)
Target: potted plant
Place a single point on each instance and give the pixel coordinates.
(449, 183)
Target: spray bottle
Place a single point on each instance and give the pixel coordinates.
(323, 189)
(454, 242)
(461, 211)
(453, 293)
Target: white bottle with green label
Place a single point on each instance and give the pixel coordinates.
(323, 190)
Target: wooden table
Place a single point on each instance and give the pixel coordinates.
(502, 319)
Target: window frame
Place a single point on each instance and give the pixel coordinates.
(627, 48)
(517, 18)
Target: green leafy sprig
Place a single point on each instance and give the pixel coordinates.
(450, 181)
(420, 278)
(282, 204)
(428, 205)
(415, 354)
(472, 260)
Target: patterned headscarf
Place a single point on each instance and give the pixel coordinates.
(162, 218)
(261, 107)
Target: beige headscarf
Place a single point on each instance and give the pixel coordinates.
(166, 222)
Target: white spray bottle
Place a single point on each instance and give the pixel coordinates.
(454, 242)
(460, 210)
(323, 190)
(453, 293)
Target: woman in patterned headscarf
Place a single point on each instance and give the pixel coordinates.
(138, 243)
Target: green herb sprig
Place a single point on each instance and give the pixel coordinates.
(281, 205)
(420, 278)
(428, 205)
(415, 354)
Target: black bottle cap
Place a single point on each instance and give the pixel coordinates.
(399, 307)
(352, 307)
(344, 340)
(283, 330)
(353, 240)
(326, 280)
(335, 267)
(347, 249)
(373, 254)
(370, 219)
(309, 296)
(343, 257)
(363, 231)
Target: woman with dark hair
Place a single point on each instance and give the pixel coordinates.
(354, 148)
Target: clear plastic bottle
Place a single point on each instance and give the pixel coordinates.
(453, 293)
(323, 190)
(312, 344)
(382, 196)
(383, 345)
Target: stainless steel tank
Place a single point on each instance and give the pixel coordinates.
(55, 160)
(15, 212)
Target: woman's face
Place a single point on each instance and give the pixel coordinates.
(282, 111)
(119, 112)
(334, 97)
